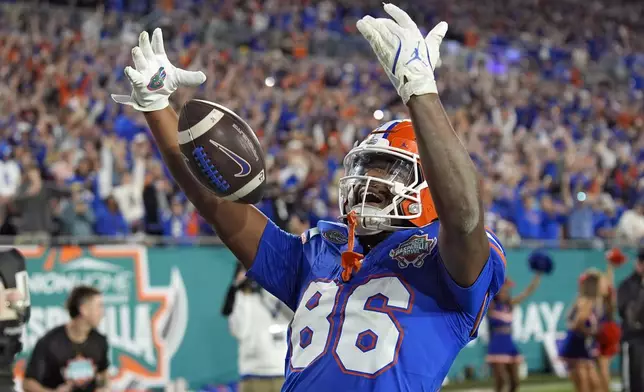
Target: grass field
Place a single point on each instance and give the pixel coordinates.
(536, 383)
(552, 387)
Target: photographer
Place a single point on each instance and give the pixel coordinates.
(73, 356)
(259, 321)
(630, 305)
(14, 311)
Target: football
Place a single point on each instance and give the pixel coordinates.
(222, 151)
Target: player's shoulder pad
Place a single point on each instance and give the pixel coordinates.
(327, 232)
(431, 228)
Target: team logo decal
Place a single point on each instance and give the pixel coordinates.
(157, 80)
(144, 323)
(335, 236)
(373, 139)
(413, 251)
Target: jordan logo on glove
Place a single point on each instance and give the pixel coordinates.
(416, 56)
(401, 49)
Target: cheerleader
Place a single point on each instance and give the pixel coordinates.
(503, 356)
(579, 349)
(609, 334)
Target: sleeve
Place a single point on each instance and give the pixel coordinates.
(472, 300)
(279, 263)
(622, 298)
(37, 368)
(104, 181)
(239, 319)
(167, 227)
(123, 226)
(104, 361)
(229, 301)
(138, 175)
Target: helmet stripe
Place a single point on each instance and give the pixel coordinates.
(388, 127)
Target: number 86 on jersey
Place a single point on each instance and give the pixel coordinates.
(358, 323)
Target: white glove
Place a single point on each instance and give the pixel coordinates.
(153, 79)
(407, 57)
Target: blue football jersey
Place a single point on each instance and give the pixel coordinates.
(397, 325)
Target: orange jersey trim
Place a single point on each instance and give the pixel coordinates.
(479, 316)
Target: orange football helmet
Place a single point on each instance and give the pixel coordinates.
(386, 162)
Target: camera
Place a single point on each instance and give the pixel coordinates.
(15, 314)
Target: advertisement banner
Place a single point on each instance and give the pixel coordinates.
(541, 317)
(163, 305)
(162, 308)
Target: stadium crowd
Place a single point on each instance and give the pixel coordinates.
(553, 118)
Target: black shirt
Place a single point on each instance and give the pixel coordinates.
(56, 359)
(630, 305)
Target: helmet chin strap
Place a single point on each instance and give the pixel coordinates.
(375, 225)
(371, 225)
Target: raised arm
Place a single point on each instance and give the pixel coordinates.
(409, 60)
(106, 170)
(239, 226)
(610, 297)
(138, 174)
(609, 275)
(452, 179)
(528, 290)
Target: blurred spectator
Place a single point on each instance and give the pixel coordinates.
(9, 173)
(155, 198)
(59, 354)
(552, 118)
(9, 179)
(129, 191)
(110, 221)
(298, 223)
(259, 321)
(553, 218)
(34, 204)
(77, 215)
(176, 223)
(631, 225)
(607, 217)
(630, 305)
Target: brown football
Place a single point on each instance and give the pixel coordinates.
(222, 151)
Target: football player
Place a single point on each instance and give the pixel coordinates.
(385, 300)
